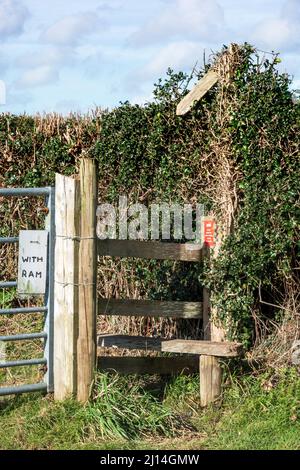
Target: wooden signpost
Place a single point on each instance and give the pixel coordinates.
(32, 268)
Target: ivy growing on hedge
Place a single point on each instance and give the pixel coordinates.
(261, 254)
(150, 154)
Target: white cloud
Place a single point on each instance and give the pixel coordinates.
(191, 19)
(43, 66)
(282, 31)
(38, 76)
(71, 29)
(177, 55)
(13, 15)
(46, 55)
(274, 33)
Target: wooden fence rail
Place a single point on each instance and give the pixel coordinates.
(150, 250)
(150, 308)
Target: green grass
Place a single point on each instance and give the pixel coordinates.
(258, 412)
(121, 411)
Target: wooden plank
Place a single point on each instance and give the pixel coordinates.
(210, 379)
(144, 343)
(209, 348)
(150, 308)
(200, 89)
(147, 343)
(149, 365)
(150, 250)
(86, 344)
(67, 222)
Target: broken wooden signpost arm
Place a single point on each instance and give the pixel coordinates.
(199, 90)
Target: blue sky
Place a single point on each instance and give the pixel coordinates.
(74, 54)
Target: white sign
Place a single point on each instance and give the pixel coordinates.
(32, 271)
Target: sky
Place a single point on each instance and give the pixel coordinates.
(73, 55)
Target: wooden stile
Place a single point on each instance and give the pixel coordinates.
(75, 309)
(86, 345)
(67, 221)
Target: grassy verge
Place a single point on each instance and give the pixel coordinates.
(259, 411)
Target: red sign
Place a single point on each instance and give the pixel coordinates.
(209, 232)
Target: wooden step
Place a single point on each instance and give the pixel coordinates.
(181, 346)
(150, 308)
(207, 348)
(150, 250)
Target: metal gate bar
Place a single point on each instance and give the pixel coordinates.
(24, 336)
(25, 191)
(23, 362)
(8, 239)
(4, 285)
(40, 387)
(47, 309)
(15, 311)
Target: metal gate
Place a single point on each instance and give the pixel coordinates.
(46, 309)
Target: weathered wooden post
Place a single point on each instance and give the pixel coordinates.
(209, 366)
(210, 379)
(87, 289)
(67, 222)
